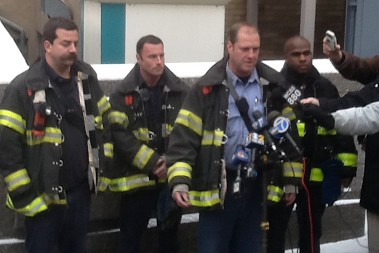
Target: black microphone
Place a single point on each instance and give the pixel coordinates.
(260, 124)
(280, 128)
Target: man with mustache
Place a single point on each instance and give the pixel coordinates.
(52, 121)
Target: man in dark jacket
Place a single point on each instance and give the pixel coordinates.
(322, 151)
(207, 169)
(365, 71)
(145, 104)
(52, 122)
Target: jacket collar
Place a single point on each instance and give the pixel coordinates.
(299, 79)
(37, 78)
(133, 81)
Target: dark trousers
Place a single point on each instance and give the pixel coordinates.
(236, 228)
(63, 227)
(135, 211)
(278, 217)
(317, 208)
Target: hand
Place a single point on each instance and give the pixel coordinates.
(181, 199)
(310, 100)
(323, 118)
(290, 198)
(334, 55)
(160, 169)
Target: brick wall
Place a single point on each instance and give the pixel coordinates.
(279, 20)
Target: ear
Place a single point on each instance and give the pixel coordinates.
(138, 57)
(47, 46)
(229, 46)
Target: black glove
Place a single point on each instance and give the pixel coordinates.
(322, 118)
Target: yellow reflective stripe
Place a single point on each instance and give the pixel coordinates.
(17, 179)
(54, 199)
(116, 117)
(142, 134)
(36, 206)
(348, 159)
(179, 169)
(190, 120)
(275, 193)
(212, 138)
(103, 105)
(13, 121)
(166, 130)
(204, 198)
(99, 122)
(323, 131)
(104, 183)
(142, 157)
(288, 113)
(52, 135)
(293, 169)
(130, 183)
(108, 149)
(300, 128)
(316, 175)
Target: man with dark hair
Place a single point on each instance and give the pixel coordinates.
(146, 104)
(210, 167)
(52, 138)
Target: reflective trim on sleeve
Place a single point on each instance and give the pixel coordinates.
(212, 138)
(142, 134)
(103, 105)
(288, 113)
(190, 120)
(205, 198)
(292, 169)
(348, 159)
(108, 150)
(179, 169)
(316, 175)
(104, 183)
(142, 157)
(17, 179)
(116, 117)
(166, 130)
(99, 122)
(275, 193)
(323, 131)
(36, 206)
(129, 183)
(13, 121)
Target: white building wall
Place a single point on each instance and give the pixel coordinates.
(92, 32)
(191, 33)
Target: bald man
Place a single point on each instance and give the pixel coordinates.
(320, 149)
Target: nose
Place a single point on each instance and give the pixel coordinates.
(159, 59)
(73, 48)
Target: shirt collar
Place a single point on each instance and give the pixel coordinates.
(232, 78)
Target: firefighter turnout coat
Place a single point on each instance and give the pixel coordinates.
(31, 138)
(197, 144)
(134, 153)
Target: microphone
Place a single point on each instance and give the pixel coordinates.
(280, 128)
(292, 95)
(260, 124)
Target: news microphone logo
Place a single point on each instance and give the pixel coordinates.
(292, 95)
(281, 125)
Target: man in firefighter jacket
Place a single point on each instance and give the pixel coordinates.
(327, 155)
(145, 104)
(53, 119)
(207, 132)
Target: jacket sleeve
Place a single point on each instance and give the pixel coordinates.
(13, 121)
(358, 121)
(185, 140)
(361, 70)
(126, 144)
